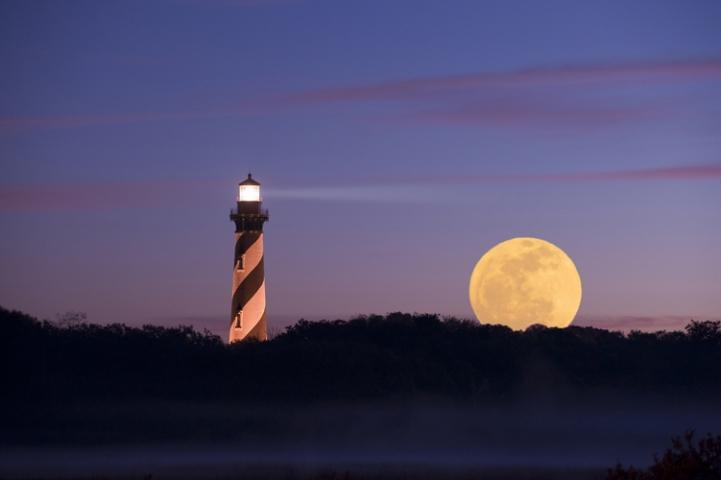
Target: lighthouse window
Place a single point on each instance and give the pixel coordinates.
(239, 319)
(240, 264)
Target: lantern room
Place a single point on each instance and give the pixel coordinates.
(249, 190)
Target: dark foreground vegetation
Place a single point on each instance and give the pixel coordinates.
(393, 356)
(687, 459)
(412, 391)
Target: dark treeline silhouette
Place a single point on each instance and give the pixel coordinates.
(687, 459)
(397, 355)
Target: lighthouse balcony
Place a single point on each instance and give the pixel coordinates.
(249, 221)
(258, 213)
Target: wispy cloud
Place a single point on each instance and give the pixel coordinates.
(536, 113)
(384, 190)
(558, 75)
(24, 123)
(482, 98)
(537, 97)
(683, 172)
(102, 195)
(706, 171)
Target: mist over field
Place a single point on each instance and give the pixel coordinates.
(455, 437)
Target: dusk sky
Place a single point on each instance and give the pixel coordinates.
(396, 141)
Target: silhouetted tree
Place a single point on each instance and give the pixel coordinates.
(685, 460)
(704, 331)
(70, 319)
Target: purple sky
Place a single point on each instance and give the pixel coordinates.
(396, 141)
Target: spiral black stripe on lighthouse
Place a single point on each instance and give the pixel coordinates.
(248, 288)
(248, 291)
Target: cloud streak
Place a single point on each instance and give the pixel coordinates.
(386, 190)
(559, 75)
(693, 172)
(469, 99)
(26, 123)
(684, 172)
(103, 195)
(533, 113)
(537, 97)
(707, 171)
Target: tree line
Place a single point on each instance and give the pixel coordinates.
(397, 355)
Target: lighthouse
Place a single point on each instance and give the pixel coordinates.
(247, 307)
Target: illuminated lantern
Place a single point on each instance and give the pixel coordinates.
(249, 190)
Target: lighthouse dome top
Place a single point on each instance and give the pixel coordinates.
(250, 181)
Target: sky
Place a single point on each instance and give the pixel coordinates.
(396, 141)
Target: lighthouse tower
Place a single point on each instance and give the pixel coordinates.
(247, 311)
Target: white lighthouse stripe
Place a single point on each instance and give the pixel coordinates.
(252, 314)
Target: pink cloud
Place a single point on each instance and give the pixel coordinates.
(522, 109)
(103, 195)
(534, 113)
(149, 194)
(483, 99)
(708, 171)
(24, 123)
(425, 86)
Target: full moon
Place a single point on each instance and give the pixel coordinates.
(525, 281)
